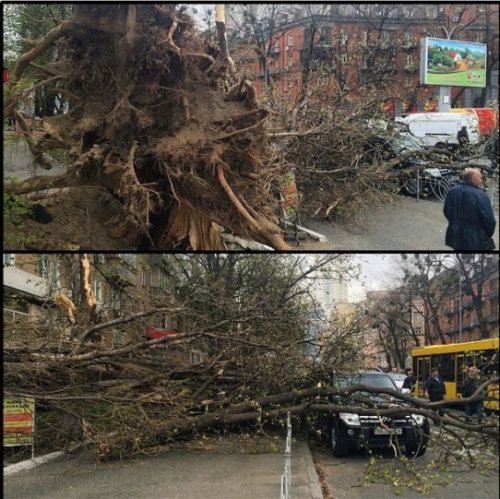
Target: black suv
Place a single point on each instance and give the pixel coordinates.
(349, 430)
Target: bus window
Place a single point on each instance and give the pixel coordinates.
(487, 362)
(446, 365)
(423, 370)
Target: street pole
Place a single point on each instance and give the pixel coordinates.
(444, 99)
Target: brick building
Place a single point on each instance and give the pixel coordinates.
(460, 300)
(372, 45)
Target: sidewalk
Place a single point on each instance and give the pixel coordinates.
(179, 474)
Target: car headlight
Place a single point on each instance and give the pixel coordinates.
(350, 419)
(433, 172)
(418, 418)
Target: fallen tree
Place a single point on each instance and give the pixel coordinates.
(158, 119)
(127, 400)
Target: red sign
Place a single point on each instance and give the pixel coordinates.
(156, 334)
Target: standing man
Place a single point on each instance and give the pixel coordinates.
(470, 386)
(435, 387)
(470, 215)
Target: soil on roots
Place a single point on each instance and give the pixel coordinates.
(152, 120)
(85, 218)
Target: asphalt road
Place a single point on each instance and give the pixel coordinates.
(403, 225)
(345, 478)
(18, 160)
(219, 473)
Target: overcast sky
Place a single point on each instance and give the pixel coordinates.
(378, 272)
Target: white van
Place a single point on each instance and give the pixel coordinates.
(439, 129)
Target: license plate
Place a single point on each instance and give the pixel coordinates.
(390, 431)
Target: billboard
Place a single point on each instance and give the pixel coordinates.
(18, 421)
(453, 63)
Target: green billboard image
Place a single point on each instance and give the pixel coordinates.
(453, 63)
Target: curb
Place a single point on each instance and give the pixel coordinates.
(31, 463)
(314, 483)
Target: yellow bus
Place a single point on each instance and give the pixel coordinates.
(453, 360)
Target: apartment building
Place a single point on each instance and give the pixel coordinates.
(460, 317)
(121, 283)
(370, 46)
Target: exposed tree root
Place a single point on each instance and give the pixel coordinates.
(145, 121)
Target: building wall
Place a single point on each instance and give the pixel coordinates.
(449, 319)
(120, 282)
(350, 39)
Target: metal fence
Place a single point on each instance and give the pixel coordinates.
(286, 477)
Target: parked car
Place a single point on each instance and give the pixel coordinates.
(346, 430)
(398, 379)
(417, 175)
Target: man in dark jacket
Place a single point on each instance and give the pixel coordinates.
(471, 384)
(410, 380)
(470, 215)
(435, 386)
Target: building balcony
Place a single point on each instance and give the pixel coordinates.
(26, 283)
(322, 53)
(410, 68)
(388, 68)
(120, 274)
(409, 44)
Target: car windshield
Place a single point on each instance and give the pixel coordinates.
(373, 381)
(405, 142)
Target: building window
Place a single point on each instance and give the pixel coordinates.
(129, 259)
(342, 37)
(50, 270)
(165, 321)
(98, 289)
(343, 58)
(430, 11)
(115, 298)
(290, 40)
(409, 60)
(9, 259)
(99, 259)
(195, 357)
(144, 277)
(478, 37)
(418, 331)
(163, 278)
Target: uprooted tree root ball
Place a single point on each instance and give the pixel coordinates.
(156, 117)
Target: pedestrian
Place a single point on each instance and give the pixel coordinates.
(471, 222)
(435, 387)
(463, 140)
(471, 384)
(410, 380)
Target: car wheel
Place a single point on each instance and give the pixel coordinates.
(409, 183)
(415, 450)
(338, 450)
